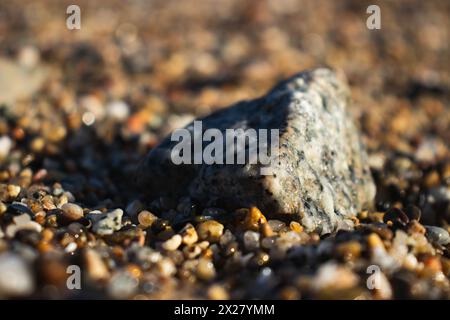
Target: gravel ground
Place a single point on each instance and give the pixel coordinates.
(80, 108)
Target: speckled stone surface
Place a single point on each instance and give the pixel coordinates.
(322, 174)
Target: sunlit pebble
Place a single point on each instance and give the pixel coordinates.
(118, 110)
(91, 103)
(88, 118)
(173, 243)
(205, 269)
(5, 146)
(28, 57)
(217, 292)
(71, 247)
(16, 278)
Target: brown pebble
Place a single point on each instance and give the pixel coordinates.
(254, 219)
(39, 217)
(47, 235)
(416, 227)
(3, 208)
(349, 250)
(189, 235)
(205, 269)
(432, 179)
(146, 218)
(72, 212)
(266, 230)
(210, 230)
(95, 266)
(13, 191)
(375, 241)
(217, 292)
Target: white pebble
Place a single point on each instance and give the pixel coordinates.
(118, 110)
(15, 276)
(251, 240)
(71, 247)
(173, 243)
(5, 146)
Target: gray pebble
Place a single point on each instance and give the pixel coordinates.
(437, 235)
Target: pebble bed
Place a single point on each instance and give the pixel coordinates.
(115, 88)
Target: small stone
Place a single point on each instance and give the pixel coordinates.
(72, 212)
(47, 203)
(276, 225)
(210, 230)
(333, 276)
(22, 222)
(13, 191)
(266, 230)
(166, 267)
(374, 241)
(410, 262)
(5, 146)
(28, 57)
(205, 269)
(146, 218)
(227, 238)
(71, 247)
(18, 208)
(251, 240)
(295, 226)
(189, 235)
(3, 208)
(37, 144)
(122, 285)
(254, 219)
(416, 227)
(95, 266)
(217, 292)
(268, 243)
(383, 289)
(437, 235)
(350, 250)
(432, 265)
(117, 110)
(173, 243)
(16, 279)
(106, 223)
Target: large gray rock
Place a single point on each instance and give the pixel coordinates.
(322, 173)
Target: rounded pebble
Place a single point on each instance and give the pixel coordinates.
(173, 243)
(210, 230)
(72, 211)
